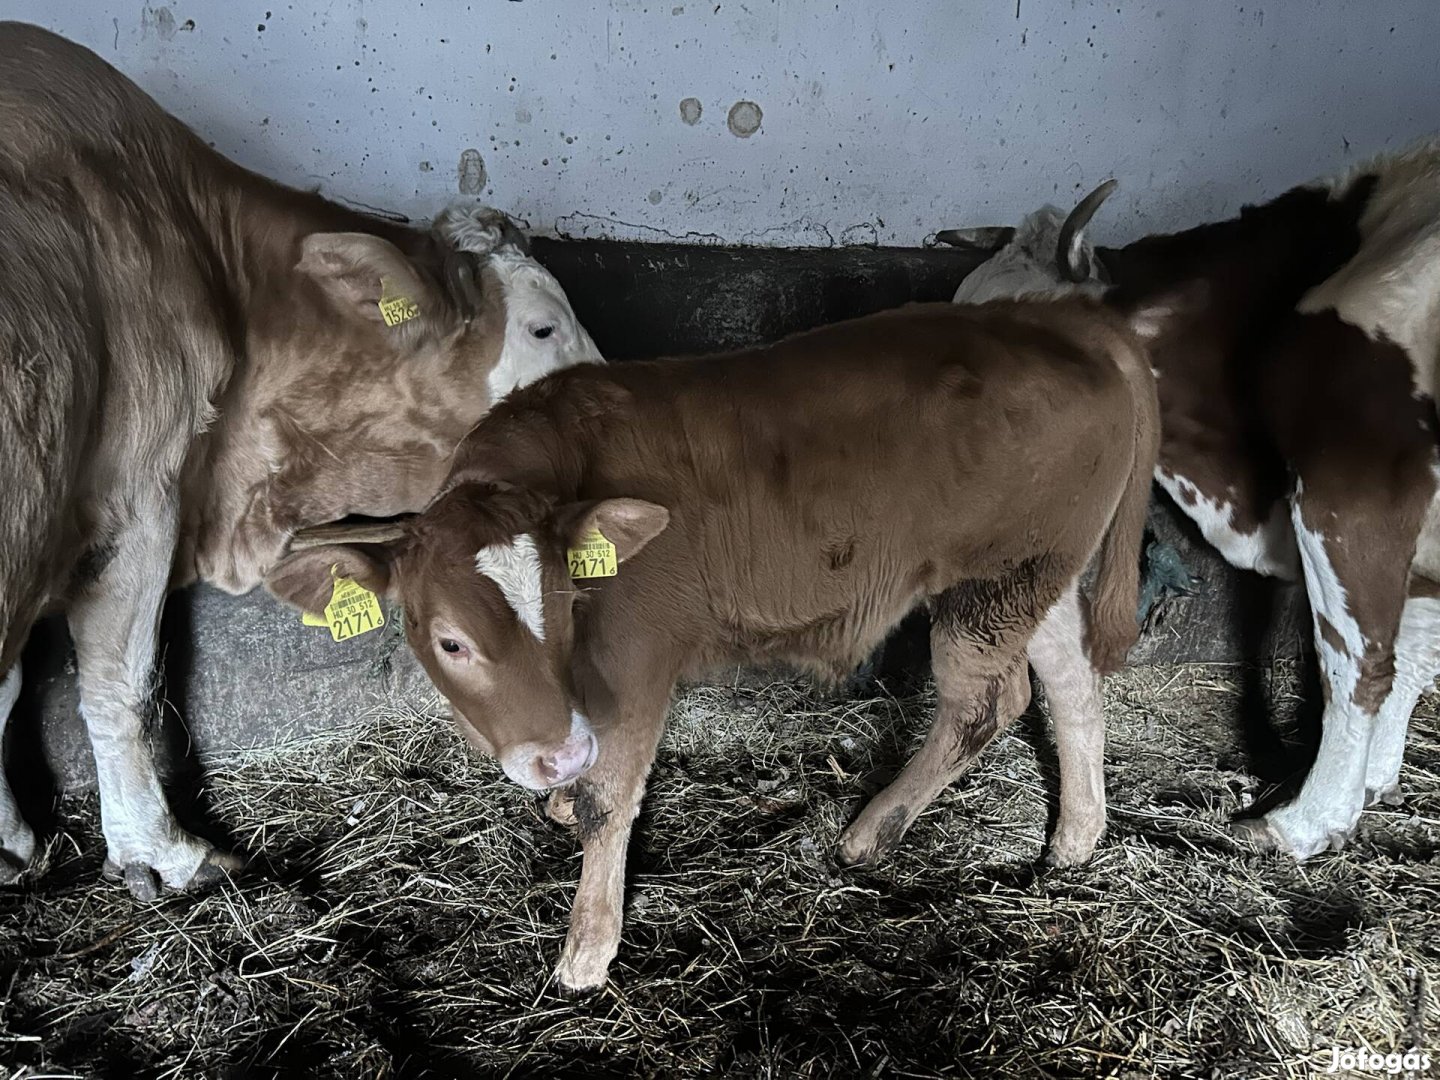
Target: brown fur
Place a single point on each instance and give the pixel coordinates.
(192, 365)
(813, 492)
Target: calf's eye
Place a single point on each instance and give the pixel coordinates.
(542, 331)
(452, 646)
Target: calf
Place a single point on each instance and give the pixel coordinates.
(786, 504)
(1296, 348)
(195, 362)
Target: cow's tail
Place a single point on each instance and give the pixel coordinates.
(1114, 600)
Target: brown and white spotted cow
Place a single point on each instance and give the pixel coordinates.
(1296, 349)
(195, 362)
(790, 503)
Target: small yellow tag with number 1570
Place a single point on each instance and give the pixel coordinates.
(593, 557)
(394, 308)
(353, 610)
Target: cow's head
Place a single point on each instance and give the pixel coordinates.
(483, 576)
(1047, 255)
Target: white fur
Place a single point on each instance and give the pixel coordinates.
(515, 568)
(534, 299)
(1269, 550)
(1417, 662)
(1026, 265)
(17, 842)
(1333, 795)
(1072, 690)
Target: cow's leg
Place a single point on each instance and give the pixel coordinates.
(1356, 561)
(1072, 690)
(605, 802)
(17, 842)
(1417, 662)
(115, 623)
(980, 692)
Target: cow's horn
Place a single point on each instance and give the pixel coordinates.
(1072, 234)
(341, 532)
(989, 238)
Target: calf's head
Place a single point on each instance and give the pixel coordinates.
(484, 579)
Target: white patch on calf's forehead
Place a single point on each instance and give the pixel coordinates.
(534, 298)
(515, 569)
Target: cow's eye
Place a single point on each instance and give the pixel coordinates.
(542, 332)
(451, 646)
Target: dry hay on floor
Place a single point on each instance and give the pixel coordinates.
(413, 903)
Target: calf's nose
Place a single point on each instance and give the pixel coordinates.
(567, 760)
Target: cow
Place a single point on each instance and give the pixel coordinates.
(1296, 347)
(788, 504)
(194, 363)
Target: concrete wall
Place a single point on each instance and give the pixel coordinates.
(877, 122)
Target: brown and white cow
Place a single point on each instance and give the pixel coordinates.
(792, 504)
(1296, 348)
(193, 364)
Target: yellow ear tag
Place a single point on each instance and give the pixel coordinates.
(593, 557)
(395, 308)
(353, 610)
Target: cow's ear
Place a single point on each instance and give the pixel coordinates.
(629, 524)
(306, 579)
(370, 278)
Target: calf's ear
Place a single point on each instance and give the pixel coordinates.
(370, 278)
(629, 524)
(307, 578)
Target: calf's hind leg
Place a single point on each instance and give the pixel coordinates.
(17, 842)
(980, 693)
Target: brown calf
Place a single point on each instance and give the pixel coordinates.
(195, 362)
(789, 504)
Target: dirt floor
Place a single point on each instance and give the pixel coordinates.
(410, 902)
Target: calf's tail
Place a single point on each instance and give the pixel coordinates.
(1114, 599)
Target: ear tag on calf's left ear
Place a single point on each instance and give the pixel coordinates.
(353, 610)
(394, 308)
(593, 557)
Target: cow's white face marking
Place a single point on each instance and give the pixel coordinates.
(515, 568)
(1269, 550)
(541, 332)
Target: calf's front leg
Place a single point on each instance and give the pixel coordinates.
(604, 804)
(115, 623)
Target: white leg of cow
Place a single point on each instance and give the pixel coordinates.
(604, 804)
(1417, 662)
(1072, 688)
(17, 842)
(115, 624)
(1329, 804)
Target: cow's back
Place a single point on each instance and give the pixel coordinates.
(110, 343)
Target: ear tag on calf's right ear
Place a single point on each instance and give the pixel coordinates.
(353, 610)
(394, 308)
(593, 557)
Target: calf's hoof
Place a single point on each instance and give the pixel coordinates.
(560, 807)
(580, 973)
(1066, 850)
(17, 849)
(868, 840)
(146, 883)
(1389, 796)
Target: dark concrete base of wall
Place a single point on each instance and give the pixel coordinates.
(243, 672)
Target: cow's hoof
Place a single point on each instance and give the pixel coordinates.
(146, 883)
(583, 972)
(1389, 796)
(1065, 851)
(1271, 834)
(869, 840)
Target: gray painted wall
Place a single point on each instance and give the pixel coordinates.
(877, 122)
